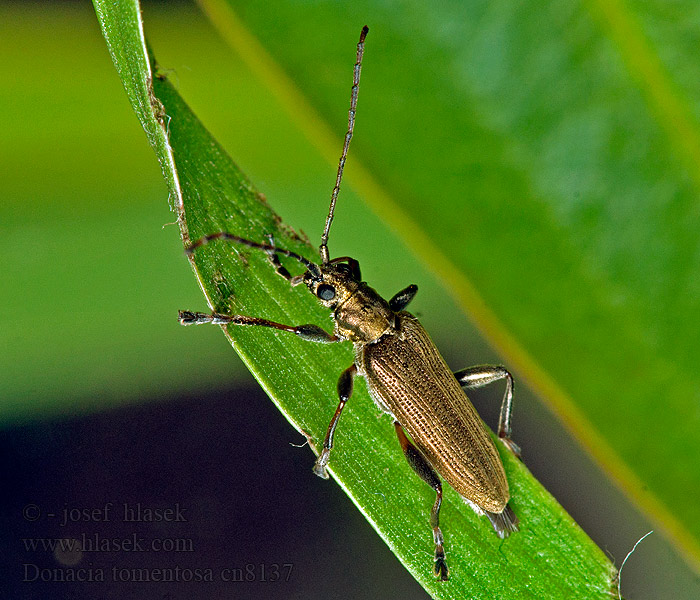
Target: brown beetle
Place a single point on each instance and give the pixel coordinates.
(405, 374)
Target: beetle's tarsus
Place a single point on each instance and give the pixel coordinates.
(512, 446)
(320, 464)
(186, 317)
(440, 570)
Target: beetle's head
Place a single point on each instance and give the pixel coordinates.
(334, 282)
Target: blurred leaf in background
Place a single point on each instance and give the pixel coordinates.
(82, 202)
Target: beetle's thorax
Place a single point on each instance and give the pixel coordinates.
(361, 315)
(364, 317)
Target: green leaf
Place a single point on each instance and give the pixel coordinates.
(543, 158)
(80, 189)
(551, 557)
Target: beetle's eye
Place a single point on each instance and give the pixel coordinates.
(325, 292)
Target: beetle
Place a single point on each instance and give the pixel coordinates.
(405, 374)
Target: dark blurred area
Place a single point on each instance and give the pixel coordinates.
(235, 500)
(239, 505)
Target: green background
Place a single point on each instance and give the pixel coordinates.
(95, 279)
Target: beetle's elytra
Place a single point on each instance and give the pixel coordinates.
(405, 374)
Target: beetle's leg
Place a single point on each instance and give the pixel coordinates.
(475, 377)
(426, 472)
(280, 269)
(344, 392)
(309, 332)
(402, 298)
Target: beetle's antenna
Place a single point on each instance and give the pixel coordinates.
(348, 136)
(224, 235)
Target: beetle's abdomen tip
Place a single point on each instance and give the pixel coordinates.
(505, 522)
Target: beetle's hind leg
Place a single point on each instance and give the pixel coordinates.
(426, 472)
(475, 377)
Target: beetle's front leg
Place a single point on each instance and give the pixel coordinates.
(345, 384)
(401, 299)
(308, 332)
(280, 269)
(475, 377)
